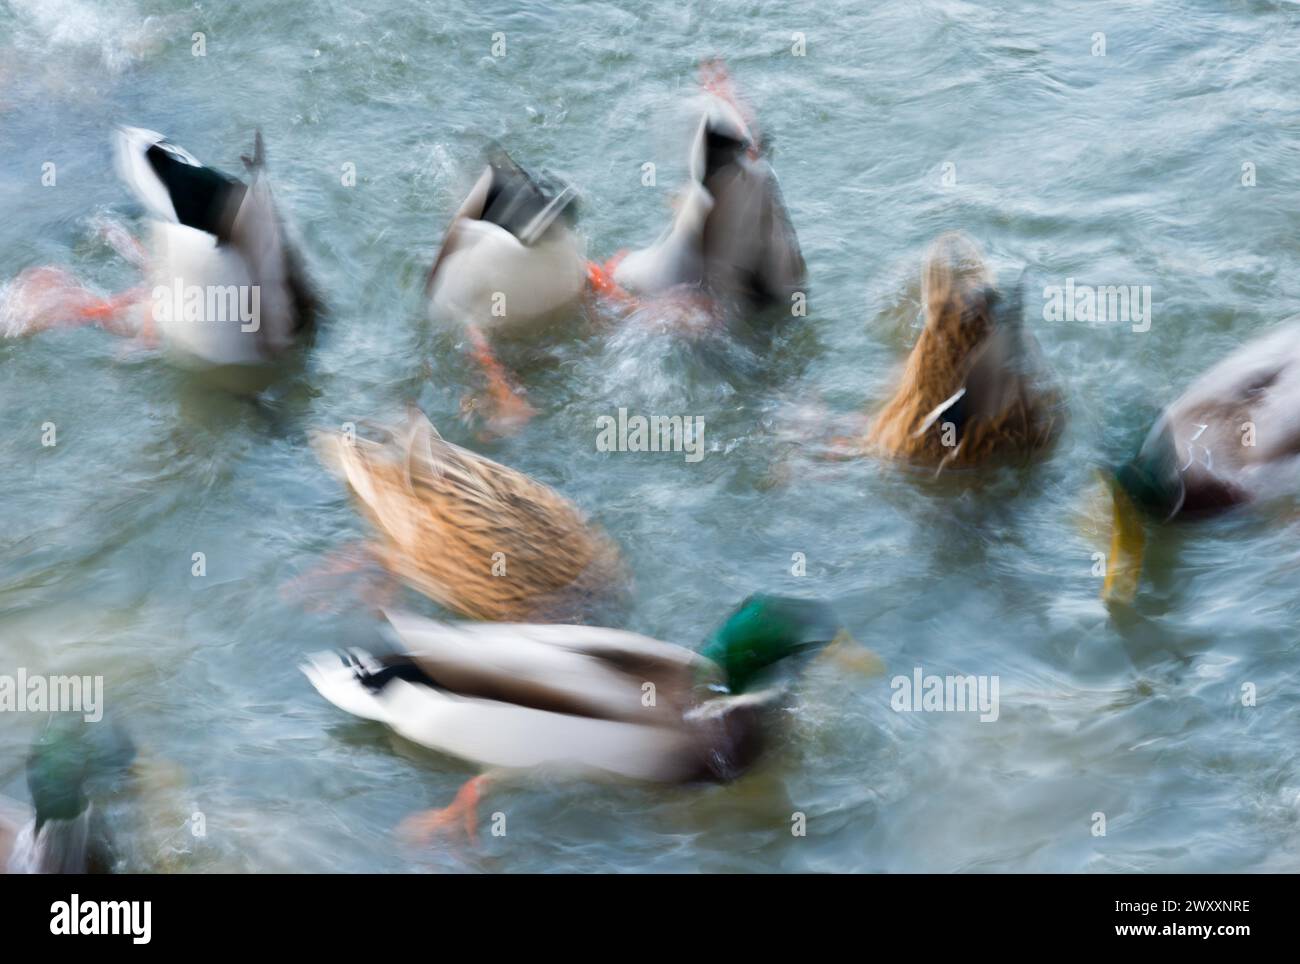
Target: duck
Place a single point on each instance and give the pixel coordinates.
(69, 768)
(480, 538)
(213, 233)
(510, 263)
(974, 389)
(581, 701)
(731, 235)
(1232, 438)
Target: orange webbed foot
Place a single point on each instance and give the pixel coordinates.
(503, 408)
(460, 816)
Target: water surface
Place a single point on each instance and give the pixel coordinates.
(1117, 169)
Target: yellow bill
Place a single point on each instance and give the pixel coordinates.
(1127, 543)
(848, 654)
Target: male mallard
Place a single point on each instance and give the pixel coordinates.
(731, 234)
(481, 539)
(509, 262)
(69, 765)
(213, 234)
(223, 282)
(1232, 437)
(584, 700)
(972, 389)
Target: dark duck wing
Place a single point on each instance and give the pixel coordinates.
(176, 188)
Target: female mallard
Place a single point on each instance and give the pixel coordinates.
(584, 700)
(1233, 437)
(481, 539)
(509, 263)
(972, 389)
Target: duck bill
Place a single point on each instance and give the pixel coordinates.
(847, 653)
(1127, 544)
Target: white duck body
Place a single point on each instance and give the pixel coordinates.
(731, 231)
(59, 847)
(677, 258)
(226, 287)
(184, 258)
(509, 261)
(565, 698)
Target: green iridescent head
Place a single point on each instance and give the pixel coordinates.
(69, 756)
(765, 630)
(1151, 478)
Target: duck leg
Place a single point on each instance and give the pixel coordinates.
(507, 412)
(600, 278)
(460, 815)
(44, 298)
(376, 585)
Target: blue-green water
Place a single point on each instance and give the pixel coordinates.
(1125, 168)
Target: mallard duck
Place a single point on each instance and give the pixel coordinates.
(972, 390)
(1232, 437)
(587, 701)
(481, 539)
(211, 233)
(731, 234)
(510, 262)
(69, 765)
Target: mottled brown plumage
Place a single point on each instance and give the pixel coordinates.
(444, 514)
(1004, 411)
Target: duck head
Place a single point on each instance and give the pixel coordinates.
(764, 630)
(68, 766)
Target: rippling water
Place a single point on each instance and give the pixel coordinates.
(1117, 169)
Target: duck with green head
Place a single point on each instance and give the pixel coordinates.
(70, 765)
(585, 700)
(1232, 438)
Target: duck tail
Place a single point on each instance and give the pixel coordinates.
(524, 204)
(955, 282)
(716, 80)
(353, 680)
(726, 128)
(258, 159)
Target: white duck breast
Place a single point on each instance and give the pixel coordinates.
(16, 823)
(508, 259)
(677, 258)
(59, 847)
